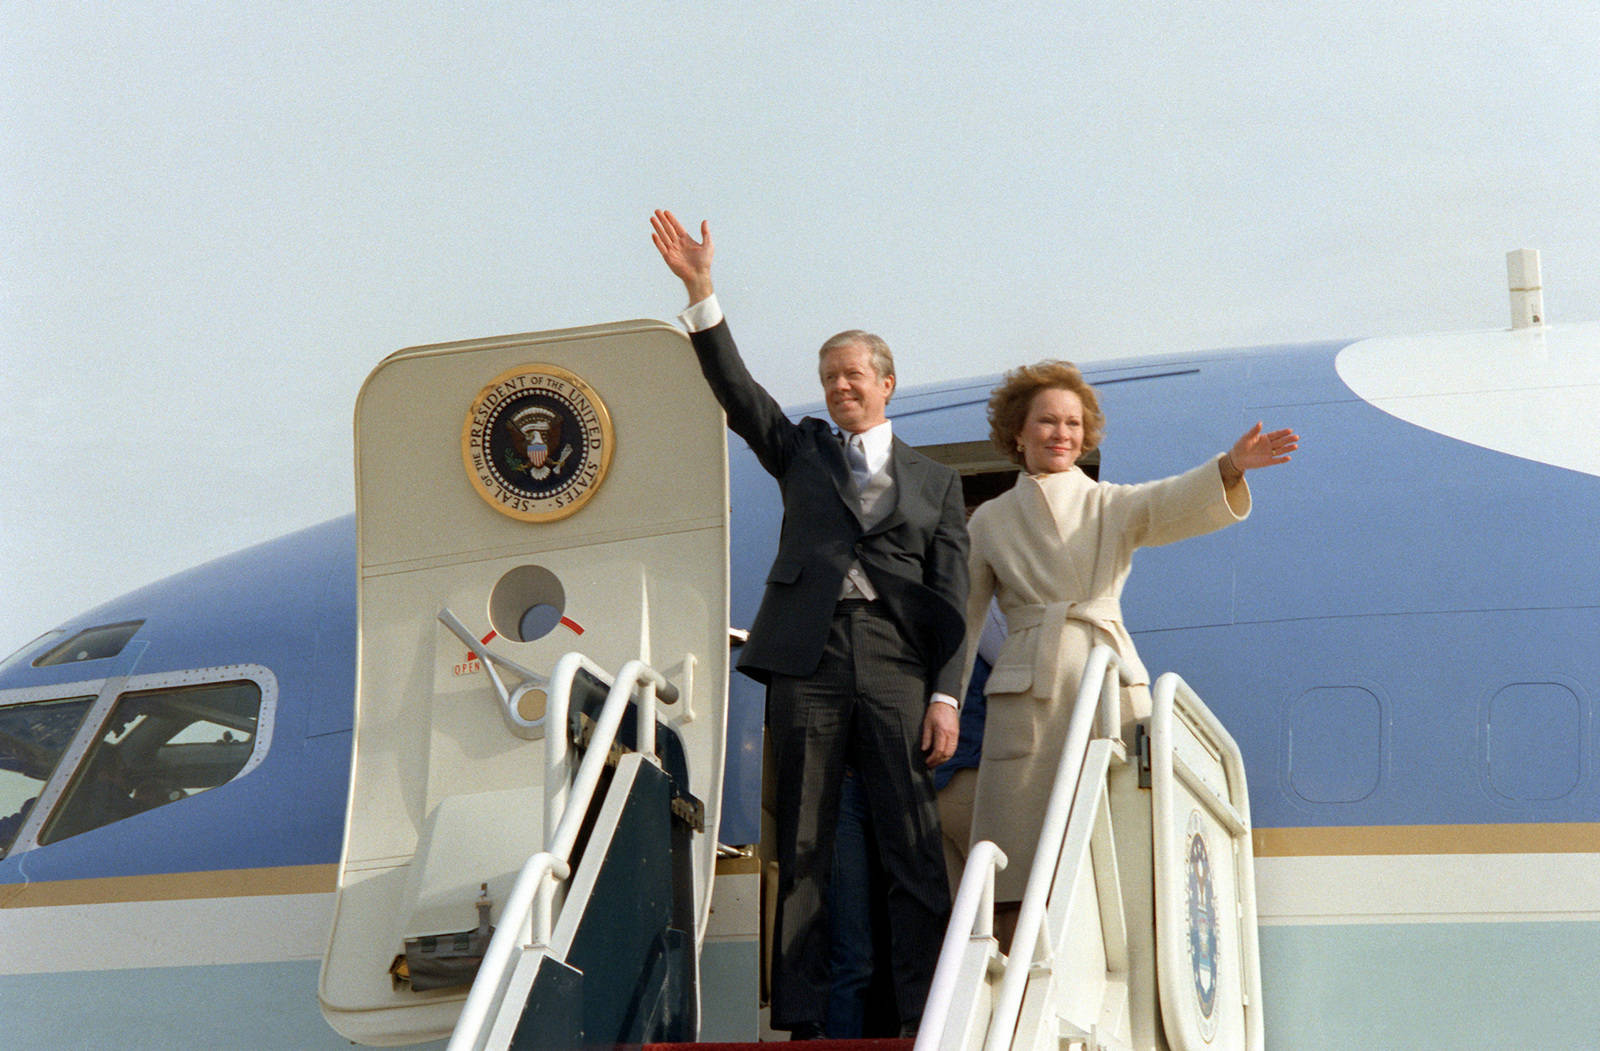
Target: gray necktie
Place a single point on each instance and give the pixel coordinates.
(855, 454)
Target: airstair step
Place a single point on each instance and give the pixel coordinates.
(896, 1044)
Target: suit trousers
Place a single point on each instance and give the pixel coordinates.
(865, 704)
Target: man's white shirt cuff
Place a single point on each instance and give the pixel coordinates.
(702, 315)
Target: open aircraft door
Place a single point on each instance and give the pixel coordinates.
(518, 499)
(1208, 965)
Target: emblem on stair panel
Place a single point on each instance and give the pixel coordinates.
(537, 443)
(1202, 909)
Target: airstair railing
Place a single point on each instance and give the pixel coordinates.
(528, 916)
(635, 675)
(525, 921)
(971, 918)
(1098, 708)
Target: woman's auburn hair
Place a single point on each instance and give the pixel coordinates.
(1009, 404)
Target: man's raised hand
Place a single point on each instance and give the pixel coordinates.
(689, 259)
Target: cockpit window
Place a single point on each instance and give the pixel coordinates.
(32, 738)
(91, 644)
(19, 656)
(157, 747)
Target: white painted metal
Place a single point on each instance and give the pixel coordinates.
(1531, 392)
(510, 708)
(1423, 888)
(1527, 291)
(956, 1014)
(1083, 985)
(448, 788)
(557, 750)
(1098, 704)
(524, 929)
(1209, 965)
(527, 916)
(1100, 958)
(635, 675)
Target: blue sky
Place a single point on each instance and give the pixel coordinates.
(217, 218)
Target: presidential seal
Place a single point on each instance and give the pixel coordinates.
(1200, 892)
(537, 443)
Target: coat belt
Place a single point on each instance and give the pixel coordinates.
(1102, 613)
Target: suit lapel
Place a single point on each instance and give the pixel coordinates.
(831, 449)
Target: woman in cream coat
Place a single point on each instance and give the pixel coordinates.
(1055, 550)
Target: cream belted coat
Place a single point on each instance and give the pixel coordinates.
(1055, 550)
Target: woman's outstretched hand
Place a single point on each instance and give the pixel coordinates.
(1255, 449)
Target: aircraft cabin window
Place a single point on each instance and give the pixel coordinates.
(1335, 744)
(159, 746)
(1532, 741)
(91, 644)
(32, 738)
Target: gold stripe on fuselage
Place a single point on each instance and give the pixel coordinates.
(1349, 840)
(1332, 841)
(173, 886)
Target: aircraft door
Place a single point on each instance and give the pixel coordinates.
(517, 498)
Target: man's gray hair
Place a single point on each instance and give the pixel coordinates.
(882, 358)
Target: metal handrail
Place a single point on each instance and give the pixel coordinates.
(635, 673)
(526, 920)
(557, 748)
(527, 917)
(973, 912)
(1099, 700)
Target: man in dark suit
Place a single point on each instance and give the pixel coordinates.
(858, 639)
